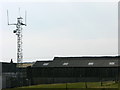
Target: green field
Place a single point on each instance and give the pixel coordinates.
(72, 85)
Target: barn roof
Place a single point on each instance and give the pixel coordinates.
(79, 62)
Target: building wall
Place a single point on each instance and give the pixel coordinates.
(14, 79)
(0, 82)
(43, 75)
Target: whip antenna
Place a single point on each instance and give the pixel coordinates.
(7, 18)
(19, 13)
(25, 18)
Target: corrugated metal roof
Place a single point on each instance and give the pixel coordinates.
(79, 62)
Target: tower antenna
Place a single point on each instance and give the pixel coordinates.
(19, 34)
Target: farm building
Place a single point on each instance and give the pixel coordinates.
(13, 76)
(61, 70)
(74, 69)
(8, 73)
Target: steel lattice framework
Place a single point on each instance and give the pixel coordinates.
(18, 32)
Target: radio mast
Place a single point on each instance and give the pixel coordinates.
(19, 34)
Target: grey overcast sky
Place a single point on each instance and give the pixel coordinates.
(60, 29)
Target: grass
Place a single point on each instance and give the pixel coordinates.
(71, 85)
